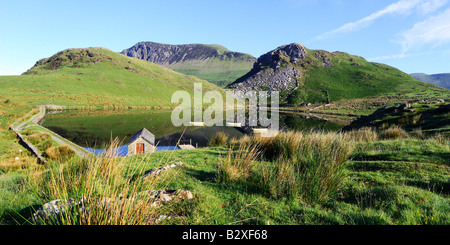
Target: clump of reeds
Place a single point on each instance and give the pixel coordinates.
(307, 165)
(62, 152)
(310, 167)
(22, 162)
(238, 165)
(38, 138)
(102, 193)
(441, 139)
(393, 132)
(219, 139)
(365, 134)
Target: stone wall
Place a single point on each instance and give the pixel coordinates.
(29, 146)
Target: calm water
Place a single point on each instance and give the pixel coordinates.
(95, 129)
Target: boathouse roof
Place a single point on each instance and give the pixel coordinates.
(144, 134)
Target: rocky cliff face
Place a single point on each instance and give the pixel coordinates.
(214, 63)
(166, 54)
(280, 69)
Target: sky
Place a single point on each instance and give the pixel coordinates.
(411, 35)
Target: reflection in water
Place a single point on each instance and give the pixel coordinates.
(96, 129)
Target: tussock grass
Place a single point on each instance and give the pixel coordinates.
(441, 139)
(105, 195)
(393, 132)
(219, 139)
(365, 134)
(239, 165)
(307, 165)
(36, 139)
(62, 152)
(22, 162)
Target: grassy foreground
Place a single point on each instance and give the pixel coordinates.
(360, 177)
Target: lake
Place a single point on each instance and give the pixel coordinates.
(95, 129)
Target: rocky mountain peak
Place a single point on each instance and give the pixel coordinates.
(286, 54)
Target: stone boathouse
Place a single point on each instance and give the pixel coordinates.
(142, 142)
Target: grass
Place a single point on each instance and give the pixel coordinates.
(62, 152)
(380, 181)
(217, 71)
(238, 166)
(219, 139)
(307, 166)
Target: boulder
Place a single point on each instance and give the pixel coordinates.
(157, 171)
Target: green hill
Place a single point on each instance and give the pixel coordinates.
(213, 63)
(305, 75)
(97, 77)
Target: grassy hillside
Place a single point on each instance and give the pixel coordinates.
(306, 75)
(97, 77)
(353, 77)
(215, 70)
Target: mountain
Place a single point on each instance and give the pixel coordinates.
(318, 76)
(441, 80)
(97, 77)
(213, 63)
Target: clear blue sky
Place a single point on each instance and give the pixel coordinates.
(412, 35)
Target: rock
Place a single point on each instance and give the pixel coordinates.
(157, 171)
(51, 212)
(162, 197)
(276, 70)
(404, 106)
